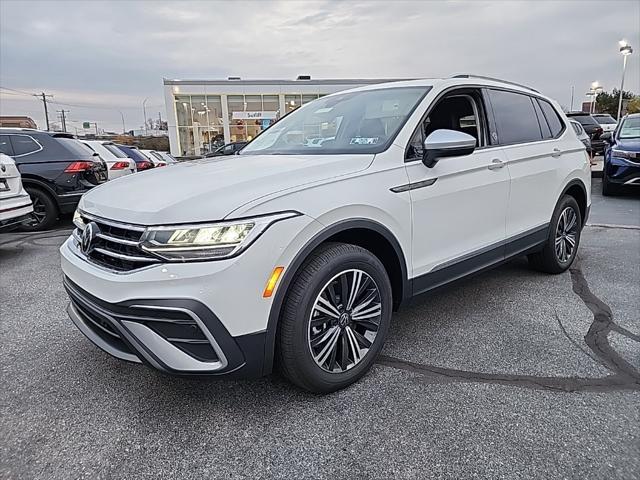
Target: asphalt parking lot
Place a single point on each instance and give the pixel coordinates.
(511, 374)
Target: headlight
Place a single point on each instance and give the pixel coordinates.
(77, 220)
(624, 154)
(182, 243)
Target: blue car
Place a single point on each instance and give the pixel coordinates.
(622, 156)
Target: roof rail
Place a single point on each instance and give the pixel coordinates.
(466, 75)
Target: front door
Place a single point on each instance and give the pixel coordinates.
(458, 206)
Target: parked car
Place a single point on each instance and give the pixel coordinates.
(593, 129)
(167, 157)
(622, 157)
(56, 171)
(142, 161)
(228, 149)
(16, 208)
(154, 157)
(581, 134)
(606, 121)
(302, 253)
(118, 164)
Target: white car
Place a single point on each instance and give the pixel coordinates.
(154, 157)
(16, 207)
(118, 164)
(581, 134)
(606, 121)
(216, 266)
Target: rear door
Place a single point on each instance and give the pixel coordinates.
(529, 128)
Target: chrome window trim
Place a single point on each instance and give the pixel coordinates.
(25, 135)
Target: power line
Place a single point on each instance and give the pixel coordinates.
(16, 91)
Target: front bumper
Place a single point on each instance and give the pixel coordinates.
(221, 300)
(177, 336)
(622, 171)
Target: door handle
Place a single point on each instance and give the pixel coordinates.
(496, 163)
(556, 152)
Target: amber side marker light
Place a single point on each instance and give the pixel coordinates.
(273, 280)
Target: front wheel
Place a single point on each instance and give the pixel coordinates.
(335, 318)
(608, 188)
(561, 247)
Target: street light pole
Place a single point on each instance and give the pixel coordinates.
(144, 111)
(625, 50)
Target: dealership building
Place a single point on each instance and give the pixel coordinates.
(205, 114)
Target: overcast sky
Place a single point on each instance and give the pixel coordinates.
(100, 58)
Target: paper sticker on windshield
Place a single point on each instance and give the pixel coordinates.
(364, 140)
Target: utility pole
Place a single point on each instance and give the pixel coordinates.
(571, 108)
(159, 121)
(44, 96)
(63, 118)
(144, 113)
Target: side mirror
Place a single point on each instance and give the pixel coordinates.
(606, 136)
(446, 143)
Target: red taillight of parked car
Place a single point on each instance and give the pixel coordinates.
(77, 167)
(120, 166)
(144, 165)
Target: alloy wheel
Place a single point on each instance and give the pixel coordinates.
(39, 210)
(344, 321)
(566, 235)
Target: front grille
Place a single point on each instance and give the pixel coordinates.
(116, 246)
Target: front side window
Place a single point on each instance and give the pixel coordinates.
(354, 122)
(630, 128)
(24, 145)
(458, 111)
(515, 116)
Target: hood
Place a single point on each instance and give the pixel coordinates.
(209, 189)
(629, 144)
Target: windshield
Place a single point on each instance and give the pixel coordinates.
(353, 122)
(630, 128)
(604, 119)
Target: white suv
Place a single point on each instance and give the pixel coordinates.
(299, 251)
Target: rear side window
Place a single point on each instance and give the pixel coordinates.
(577, 128)
(554, 122)
(5, 145)
(544, 126)
(24, 145)
(115, 150)
(515, 116)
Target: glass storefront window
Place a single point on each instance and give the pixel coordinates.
(183, 110)
(308, 98)
(185, 137)
(199, 110)
(292, 102)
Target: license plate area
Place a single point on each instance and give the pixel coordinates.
(4, 186)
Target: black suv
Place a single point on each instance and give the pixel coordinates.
(591, 128)
(56, 170)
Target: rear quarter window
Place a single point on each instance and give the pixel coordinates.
(553, 120)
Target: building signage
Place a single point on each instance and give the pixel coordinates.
(254, 115)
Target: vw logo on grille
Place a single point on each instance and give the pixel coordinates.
(88, 236)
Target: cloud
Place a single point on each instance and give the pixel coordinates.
(116, 53)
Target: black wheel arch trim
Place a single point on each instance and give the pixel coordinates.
(301, 256)
(582, 186)
(36, 183)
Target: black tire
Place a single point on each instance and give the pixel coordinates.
(549, 260)
(45, 211)
(328, 264)
(608, 188)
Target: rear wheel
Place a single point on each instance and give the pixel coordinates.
(45, 211)
(561, 247)
(335, 318)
